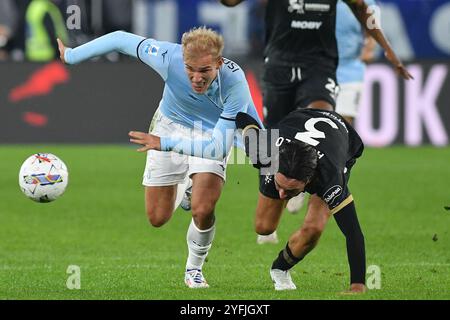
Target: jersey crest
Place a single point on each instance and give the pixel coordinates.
(296, 5)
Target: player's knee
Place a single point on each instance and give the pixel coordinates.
(264, 229)
(202, 210)
(156, 221)
(312, 232)
(156, 218)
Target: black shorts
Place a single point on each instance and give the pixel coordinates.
(289, 88)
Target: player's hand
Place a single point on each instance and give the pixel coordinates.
(356, 288)
(147, 140)
(399, 67)
(62, 50)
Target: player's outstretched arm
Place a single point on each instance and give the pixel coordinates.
(348, 222)
(118, 41)
(371, 25)
(215, 148)
(231, 3)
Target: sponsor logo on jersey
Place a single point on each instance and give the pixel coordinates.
(335, 118)
(331, 194)
(306, 25)
(151, 49)
(320, 7)
(296, 5)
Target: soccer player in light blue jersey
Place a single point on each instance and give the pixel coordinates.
(356, 48)
(191, 133)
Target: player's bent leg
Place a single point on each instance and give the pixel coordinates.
(268, 213)
(163, 172)
(159, 204)
(206, 189)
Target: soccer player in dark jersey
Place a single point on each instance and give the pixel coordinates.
(301, 58)
(314, 150)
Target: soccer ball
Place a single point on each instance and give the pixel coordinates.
(43, 177)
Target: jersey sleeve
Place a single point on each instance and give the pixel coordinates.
(237, 99)
(216, 147)
(118, 41)
(157, 55)
(332, 188)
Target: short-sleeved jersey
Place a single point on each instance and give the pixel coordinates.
(227, 95)
(350, 40)
(300, 32)
(337, 144)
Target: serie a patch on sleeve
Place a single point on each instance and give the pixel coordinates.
(151, 50)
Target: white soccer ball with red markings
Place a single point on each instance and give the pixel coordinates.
(43, 177)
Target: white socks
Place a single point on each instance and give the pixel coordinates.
(199, 242)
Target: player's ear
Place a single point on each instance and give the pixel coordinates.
(219, 62)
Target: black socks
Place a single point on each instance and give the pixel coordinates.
(285, 259)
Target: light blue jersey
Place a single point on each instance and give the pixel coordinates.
(214, 110)
(350, 40)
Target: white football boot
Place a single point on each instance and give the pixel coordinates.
(194, 279)
(282, 280)
(296, 203)
(186, 201)
(270, 238)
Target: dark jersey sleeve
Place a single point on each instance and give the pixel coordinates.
(330, 184)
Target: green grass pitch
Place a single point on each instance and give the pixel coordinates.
(99, 224)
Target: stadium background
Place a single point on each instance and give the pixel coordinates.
(35, 99)
(83, 113)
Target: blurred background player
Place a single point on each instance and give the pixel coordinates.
(356, 48)
(301, 58)
(8, 26)
(196, 119)
(44, 23)
(320, 166)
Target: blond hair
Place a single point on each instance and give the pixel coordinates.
(202, 40)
